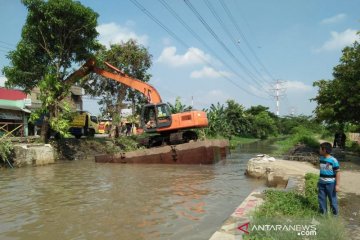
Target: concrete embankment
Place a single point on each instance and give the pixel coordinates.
(33, 155)
(200, 152)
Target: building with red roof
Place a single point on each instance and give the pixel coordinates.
(16, 106)
(11, 94)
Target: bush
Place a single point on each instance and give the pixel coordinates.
(6, 151)
(309, 141)
(300, 135)
(353, 146)
(127, 143)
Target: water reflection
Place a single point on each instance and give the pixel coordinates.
(85, 200)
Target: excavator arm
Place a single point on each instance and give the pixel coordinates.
(149, 91)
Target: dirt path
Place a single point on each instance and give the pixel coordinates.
(350, 182)
(349, 201)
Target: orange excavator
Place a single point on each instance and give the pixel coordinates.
(155, 116)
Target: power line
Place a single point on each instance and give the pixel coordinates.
(232, 38)
(238, 10)
(152, 17)
(217, 38)
(9, 44)
(174, 14)
(223, 4)
(5, 47)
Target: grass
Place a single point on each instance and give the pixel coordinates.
(299, 136)
(293, 208)
(352, 146)
(235, 140)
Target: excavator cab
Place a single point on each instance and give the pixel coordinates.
(155, 116)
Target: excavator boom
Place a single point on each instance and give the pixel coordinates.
(149, 91)
(156, 116)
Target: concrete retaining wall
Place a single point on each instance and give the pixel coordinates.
(28, 155)
(238, 223)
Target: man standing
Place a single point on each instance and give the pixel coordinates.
(329, 179)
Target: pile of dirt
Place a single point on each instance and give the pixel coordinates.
(302, 153)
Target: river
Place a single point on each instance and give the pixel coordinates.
(88, 200)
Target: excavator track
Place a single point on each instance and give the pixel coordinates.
(171, 138)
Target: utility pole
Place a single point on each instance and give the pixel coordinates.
(279, 92)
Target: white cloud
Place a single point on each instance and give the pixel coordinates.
(208, 72)
(297, 86)
(339, 40)
(191, 57)
(111, 33)
(334, 19)
(2, 81)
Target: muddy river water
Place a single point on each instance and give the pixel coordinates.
(88, 200)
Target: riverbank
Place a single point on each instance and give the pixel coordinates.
(122, 150)
(299, 205)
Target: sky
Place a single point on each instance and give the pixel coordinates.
(210, 51)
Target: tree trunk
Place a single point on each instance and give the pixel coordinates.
(45, 130)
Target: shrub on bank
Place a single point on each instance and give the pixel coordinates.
(6, 151)
(352, 146)
(127, 143)
(300, 135)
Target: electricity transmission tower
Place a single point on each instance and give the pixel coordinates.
(278, 93)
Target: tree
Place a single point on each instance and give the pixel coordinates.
(338, 100)
(178, 107)
(264, 125)
(134, 60)
(218, 124)
(262, 121)
(236, 117)
(57, 34)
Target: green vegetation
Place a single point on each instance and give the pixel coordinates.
(127, 143)
(131, 58)
(50, 45)
(6, 151)
(234, 122)
(236, 140)
(178, 107)
(337, 99)
(300, 135)
(353, 147)
(285, 208)
(280, 203)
